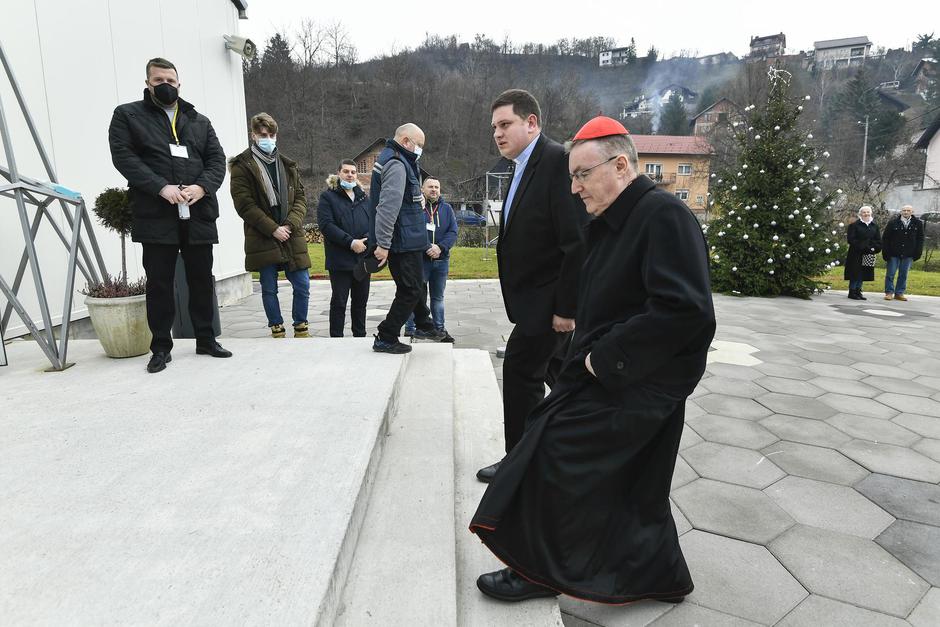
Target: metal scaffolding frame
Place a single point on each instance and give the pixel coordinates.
(29, 191)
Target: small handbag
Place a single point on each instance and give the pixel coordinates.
(868, 260)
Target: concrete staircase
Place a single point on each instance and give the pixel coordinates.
(300, 482)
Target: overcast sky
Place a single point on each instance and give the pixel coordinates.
(701, 27)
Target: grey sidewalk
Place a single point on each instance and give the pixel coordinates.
(807, 489)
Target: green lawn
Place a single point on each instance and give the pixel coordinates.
(465, 263)
(480, 263)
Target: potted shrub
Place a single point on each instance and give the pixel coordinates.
(118, 309)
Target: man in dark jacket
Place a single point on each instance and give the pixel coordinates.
(269, 196)
(173, 164)
(343, 218)
(902, 243)
(539, 254)
(581, 505)
(442, 233)
(400, 235)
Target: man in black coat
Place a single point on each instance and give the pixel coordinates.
(902, 243)
(539, 255)
(173, 164)
(581, 505)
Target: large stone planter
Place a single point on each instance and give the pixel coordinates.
(121, 324)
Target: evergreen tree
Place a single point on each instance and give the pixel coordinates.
(860, 99)
(772, 232)
(631, 51)
(674, 119)
(652, 54)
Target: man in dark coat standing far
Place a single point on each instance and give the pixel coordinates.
(173, 164)
(581, 505)
(539, 254)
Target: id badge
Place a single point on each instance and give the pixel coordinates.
(431, 226)
(178, 150)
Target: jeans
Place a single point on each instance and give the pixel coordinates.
(300, 282)
(900, 265)
(410, 295)
(855, 285)
(435, 275)
(343, 283)
(160, 266)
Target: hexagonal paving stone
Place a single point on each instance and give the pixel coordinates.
(739, 578)
(732, 371)
(836, 359)
(853, 405)
(689, 438)
(732, 510)
(732, 387)
(892, 460)
(683, 474)
(927, 611)
(933, 382)
(910, 404)
(903, 498)
(882, 370)
(724, 430)
(682, 523)
(732, 464)
(691, 614)
(783, 370)
(795, 387)
(836, 371)
(785, 357)
(732, 406)
(829, 506)
(814, 462)
(874, 429)
(817, 610)
(848, 568)
(916, 545)
(577, 613)
(927, 426)
(805, 430)
(846, 386)
(796, 406)
(929, 447)
(898, 386)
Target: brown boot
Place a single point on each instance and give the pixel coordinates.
(900, 297)
(888, 295)
(277, 330)
(301, 330)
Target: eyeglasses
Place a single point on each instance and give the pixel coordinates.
(581, 175)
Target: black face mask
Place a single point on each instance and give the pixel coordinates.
(165, 94)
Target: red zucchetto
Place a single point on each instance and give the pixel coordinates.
(601, 126)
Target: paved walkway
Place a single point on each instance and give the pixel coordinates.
(806, 492)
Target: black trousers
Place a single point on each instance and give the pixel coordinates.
(344, 284)
(530, 362)
(160, 266)
(411, 295)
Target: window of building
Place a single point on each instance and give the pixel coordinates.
(654, 171)
(722, 116)
(361, 167)
(699, 200)
(682, 194)
(857, 52)
(707, 117)
(685, 169)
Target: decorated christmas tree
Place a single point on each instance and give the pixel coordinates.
(772, 230)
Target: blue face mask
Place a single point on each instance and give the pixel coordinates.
(348, 184)
(267, 144)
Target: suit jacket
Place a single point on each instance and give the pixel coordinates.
(541, 246)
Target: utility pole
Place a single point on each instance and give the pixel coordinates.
(865, 148)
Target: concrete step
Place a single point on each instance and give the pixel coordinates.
(478, 438)
(218, 492)
(403, 571)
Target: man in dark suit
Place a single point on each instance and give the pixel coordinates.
(539, 254)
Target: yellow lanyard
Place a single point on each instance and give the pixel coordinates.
(173, 125)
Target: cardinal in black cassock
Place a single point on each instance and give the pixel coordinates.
(581, 505)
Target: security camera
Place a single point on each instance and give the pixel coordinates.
(241, 45)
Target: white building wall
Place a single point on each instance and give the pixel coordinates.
(75, 62)
(932, 167)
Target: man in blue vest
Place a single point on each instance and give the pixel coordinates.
(399, 230)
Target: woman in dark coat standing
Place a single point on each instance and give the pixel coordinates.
(343, 217)
(864, 242)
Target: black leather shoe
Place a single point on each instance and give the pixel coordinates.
(158, 362)
(214, 349)
(486, 474)
(506, 585)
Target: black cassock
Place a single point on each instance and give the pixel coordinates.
(581, 504)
